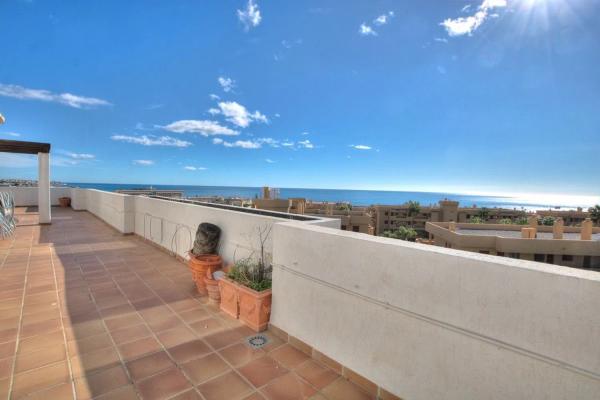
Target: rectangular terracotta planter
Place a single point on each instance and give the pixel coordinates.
(255, 307)
(229, 297)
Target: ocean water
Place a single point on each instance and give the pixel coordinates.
(355, 197)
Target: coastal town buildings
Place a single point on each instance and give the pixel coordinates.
(558, 244)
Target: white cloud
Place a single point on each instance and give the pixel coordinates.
(306, 144)
(226, 83)
(269, 141)
(217, 141)
(360, 147)
(82, 156)
(152, 140)
(238, 115)
(143, 162)
(250, 16)
(13, 134)
(202, 127)
(442, 40)
(68, 99)
(305, 133)
(214, 111)
(287, 144)
(214, 96)
(192, 168)
(244, 144)
(268, 160)
(10, 160)
(383, 18)
(366, 30)
(467, 25)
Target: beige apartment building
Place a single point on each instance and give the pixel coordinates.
(559, 244)
(391, 217)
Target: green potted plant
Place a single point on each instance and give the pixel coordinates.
(247, 289)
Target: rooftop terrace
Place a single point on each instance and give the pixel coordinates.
(89, 313)
(94, 305)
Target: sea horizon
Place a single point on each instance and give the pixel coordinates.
(364, 197)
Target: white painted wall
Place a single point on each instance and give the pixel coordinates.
(28, 196)
(431, 323)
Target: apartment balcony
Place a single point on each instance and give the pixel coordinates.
(99, 304)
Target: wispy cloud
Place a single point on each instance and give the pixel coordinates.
(227, 84)
(68, 99)
(268, 160)
(192, 168)
(144, 163)
(250, 16)
(383, 18)
(244, 144)
(441, 40)
(152, 140)
(81, 156)
(306, 144)
(366, 30)
(214, 96)
(13, 134)
(203, 127)
(360, 147)
(467, 25)
(238, 115)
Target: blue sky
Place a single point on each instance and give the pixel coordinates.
(493, 96)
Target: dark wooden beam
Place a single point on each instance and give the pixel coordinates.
(17, 146)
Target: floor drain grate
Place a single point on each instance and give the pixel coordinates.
(257, 341)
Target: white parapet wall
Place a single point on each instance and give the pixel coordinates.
(26, 196)
(426, 322)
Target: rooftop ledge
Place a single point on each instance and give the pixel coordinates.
(418, 321)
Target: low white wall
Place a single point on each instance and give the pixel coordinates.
(431, 323)
(28, 196)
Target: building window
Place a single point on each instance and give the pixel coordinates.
(343, 227)
(500, 253)
(567, 257)
(484, 252)
(539, 257)
(355, 228)
(550, 258)
(514, 255)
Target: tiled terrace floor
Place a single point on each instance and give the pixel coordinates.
(88, 313)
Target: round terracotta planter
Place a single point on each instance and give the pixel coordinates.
(199, 265)
(212, 287)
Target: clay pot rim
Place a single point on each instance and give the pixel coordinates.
(205, 257)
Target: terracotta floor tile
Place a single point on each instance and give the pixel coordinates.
(82, 330)
(288, 356)
(39, 342)
(4, 388)
(130, 333)
(342, 389)
(7, 335)
(206, 326)
(45, 356)
(103, 382)
(189, 350)
(163, 385)
(223, 338)
(139, 348)
(63, 391)
(91, 343)
(176, 336)
(162, 324)
(6, 365)
(94, 361)
(316, 374)
(202, 369)
(117, 311)
(255, 396)
(195, 314)
(241, 354)
(40, 328)
(149, 365)
(227, 386)
(262, 371)
(123, 393)
(37, 379)
(189, 395)
(288, 387)
(121, 322)
(7, 349)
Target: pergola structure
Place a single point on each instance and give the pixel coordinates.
(43, 152)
